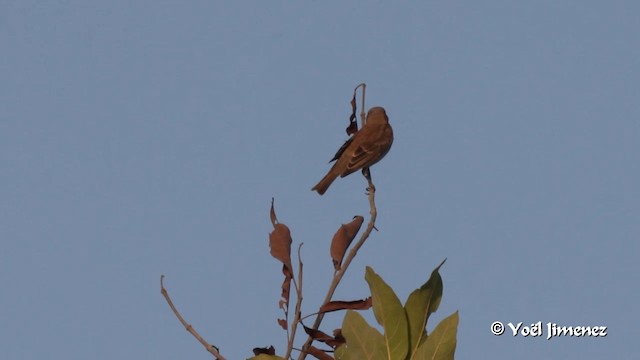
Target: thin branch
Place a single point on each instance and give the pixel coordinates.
(345, 264)
(337, 276)
(296, 317)
(210, 348)
(286, 320)
(362, 108)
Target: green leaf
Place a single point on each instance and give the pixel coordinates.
(420, 305)
(363, 341)
(441, 344)
(390, 314)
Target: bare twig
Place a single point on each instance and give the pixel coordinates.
(345, 264)
(337, 276)
(210, 348)
(286, 320)
(362, 108)
(296, 317)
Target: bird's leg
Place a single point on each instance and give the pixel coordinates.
(367, 174)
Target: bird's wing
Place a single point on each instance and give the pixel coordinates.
(342, 149)
(363, 156)
(368, 153)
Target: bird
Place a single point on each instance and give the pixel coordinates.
(365, 148)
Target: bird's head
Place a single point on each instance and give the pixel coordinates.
(377, 115)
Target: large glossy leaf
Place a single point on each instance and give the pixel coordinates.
(390, 314)
(363, 341)
(441, 343)
(421, 303)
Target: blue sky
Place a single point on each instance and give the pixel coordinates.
(147, 138)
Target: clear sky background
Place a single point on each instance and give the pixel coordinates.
(147, 138)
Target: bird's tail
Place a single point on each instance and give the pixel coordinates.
(322, 186)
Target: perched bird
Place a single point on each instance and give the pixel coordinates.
(365, 148)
